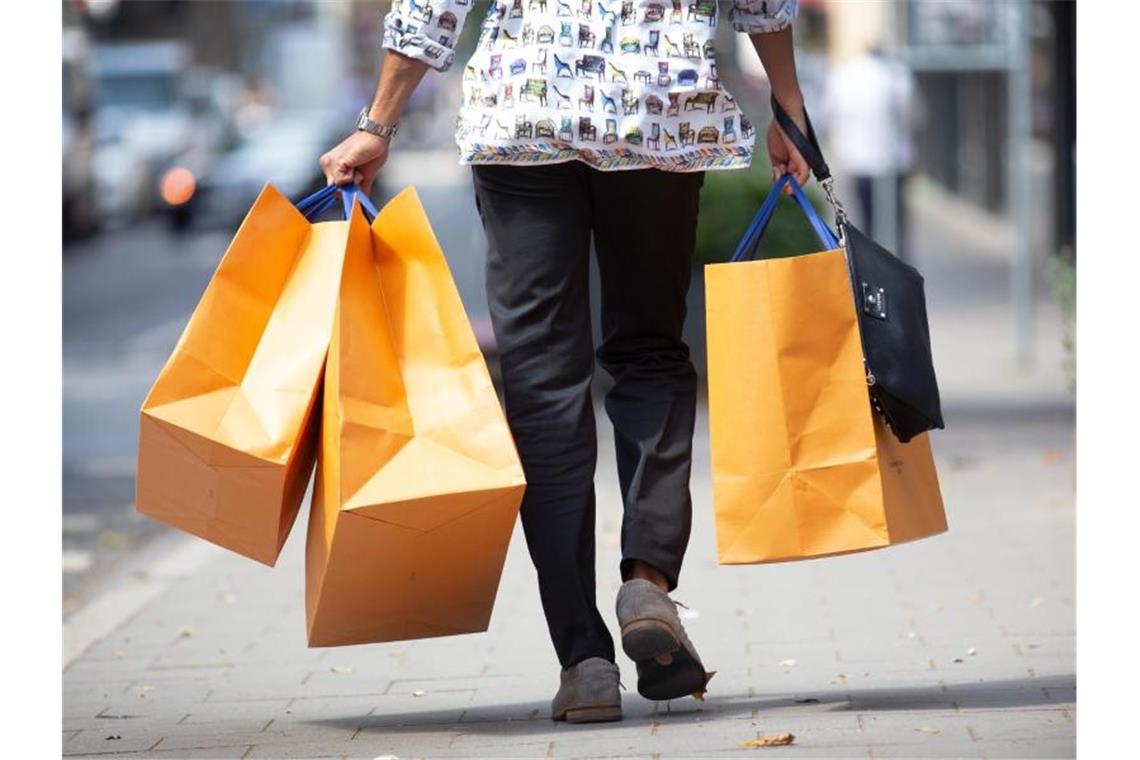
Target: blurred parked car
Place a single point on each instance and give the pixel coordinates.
(283, 151)
(80, 217)
(141, 122)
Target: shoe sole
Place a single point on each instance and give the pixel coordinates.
(644, 640)
(593, 714)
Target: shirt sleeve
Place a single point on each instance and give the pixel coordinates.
(426, 30)
(760, 16)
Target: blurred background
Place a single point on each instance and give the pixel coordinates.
(950, 125)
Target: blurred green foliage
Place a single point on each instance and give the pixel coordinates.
(730, 199)
(1063, 275)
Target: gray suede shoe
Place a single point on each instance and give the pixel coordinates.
(651, 627)
(589, 693)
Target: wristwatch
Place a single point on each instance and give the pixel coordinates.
(365, 124)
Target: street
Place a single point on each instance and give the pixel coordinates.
(958, 646)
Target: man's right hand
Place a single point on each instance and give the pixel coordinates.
(357, 159)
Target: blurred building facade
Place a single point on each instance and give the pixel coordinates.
(966, 55)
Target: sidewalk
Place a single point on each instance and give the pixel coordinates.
(959, 646)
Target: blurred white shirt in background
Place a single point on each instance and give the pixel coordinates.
(870, 110)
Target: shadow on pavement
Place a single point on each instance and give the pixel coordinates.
(522, 718)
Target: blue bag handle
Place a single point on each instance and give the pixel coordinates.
(751, 238)
(349, 192)
(308, 203)
(322, 200)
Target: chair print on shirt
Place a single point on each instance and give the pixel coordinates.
(611, 134)
(516, 9)
(566, 36)
(653, 142)
(586, 130)
(561, 68)
(422, 11)
(703, 8)
(586, 100)
(534, 88)
(586, 36)
(729, 132)
(651, 46)
(524, 129)
(540, 3)
(616, 74)
(628, 16)
(706, 99)
(685, 132)
(608, 104)
(607, 45)
(544, 128)
(630, 103)
(606, 12)
(670, 141)
(672, 49)
(675, 15)
(566, 131)
(563, 98)
(591, 64)
(712, 80)
(691, 48)
(538, 65)
(564, 8)
(674, 104)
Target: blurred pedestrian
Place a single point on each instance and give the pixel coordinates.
(592, 123)
(871, 112)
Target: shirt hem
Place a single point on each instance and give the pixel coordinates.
(700, 159)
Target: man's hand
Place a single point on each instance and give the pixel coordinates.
(356, 160)
(783, 153)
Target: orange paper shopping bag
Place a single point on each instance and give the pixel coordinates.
(802, 466)
(227, 434)
(418, 481)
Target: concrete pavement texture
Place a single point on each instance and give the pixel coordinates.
(958, 646)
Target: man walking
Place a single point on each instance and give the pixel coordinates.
(588, 121)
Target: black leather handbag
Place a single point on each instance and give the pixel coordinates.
(890, 304)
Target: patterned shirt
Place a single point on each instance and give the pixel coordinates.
(619, 84)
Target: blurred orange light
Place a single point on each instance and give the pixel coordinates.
(178, 186)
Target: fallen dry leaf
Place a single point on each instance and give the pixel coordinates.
(113, 737)
(340, 669)
(418, 693)
(928, 731)
(776, 740)
(972, 651)
(185, 633)
(699, 694)
(958, 659)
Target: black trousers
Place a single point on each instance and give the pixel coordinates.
(539, 222)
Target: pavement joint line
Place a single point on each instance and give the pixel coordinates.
(165, 562)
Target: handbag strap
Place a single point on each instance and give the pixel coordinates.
(807, 145)
(749, 243)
